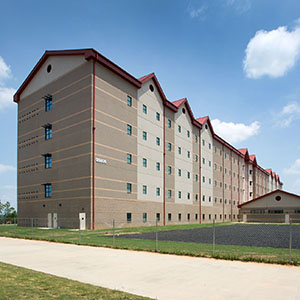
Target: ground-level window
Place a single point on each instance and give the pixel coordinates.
(196, 216)
(169, 217)
(179, 217)
(144, 217)
(188, 217)
(129, 217)
(275, 211)
(158, 217)
(203, 217)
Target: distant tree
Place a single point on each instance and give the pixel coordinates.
(7, 211)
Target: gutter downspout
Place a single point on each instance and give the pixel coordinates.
(93, 164)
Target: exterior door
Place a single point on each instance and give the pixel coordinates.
(54, 220)
(82, 221)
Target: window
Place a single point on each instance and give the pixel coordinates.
(196, 216)
(209, 163)
(215, 166)
(144, 162)
(129, 158)
(129, 101)
(250, 182)
(196, 197)
(179, 150)
(250, 194)
(220, 184)
(225, 186)
(157, 191)
(144, 217)
(275, 211)
(157, 116)
(215, 199)
(158, 141)
(129, 187)
(179, 217)
(209, 180)
(179, 172)
(203, 217)
(215, 182)
(144, 135)
(196, 138)
(129, 129)
(179, 128)
(48, 102)
(203, 179)
(48, 131)
(250, 171)
(209, 146)
(203, 160)
(188, 217)
(225, 155)
(225, 170)
(203, 142)
(144, 189)
(188, 154)
(169, 217)
(188, 174)
(157, 166)
(144, 109)
(169, 169)
(220, 217)
(169, 123)
(48, 161)
(196, 177)
(48, 190)
(158, 217)
(215, 149)
(179, 194)
(188, 133)
(129, 217)
(169, 146)
(203, 198)
(169, 193)
(196, 158)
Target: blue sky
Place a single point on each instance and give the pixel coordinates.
(235, 60)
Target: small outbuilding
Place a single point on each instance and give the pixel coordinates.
(275, 207)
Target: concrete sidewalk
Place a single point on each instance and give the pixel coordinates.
(155, 275)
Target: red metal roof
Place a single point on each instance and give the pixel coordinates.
(202, 120)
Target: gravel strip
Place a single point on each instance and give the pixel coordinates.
(275, 236)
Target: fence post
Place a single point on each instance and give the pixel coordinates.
(156, 236)
(15, 225)
(214, 238)
(32, 227)
(290, 245)
(114, 238)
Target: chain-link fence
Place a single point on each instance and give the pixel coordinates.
(279, 243)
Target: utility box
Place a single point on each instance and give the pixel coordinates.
(82, 221)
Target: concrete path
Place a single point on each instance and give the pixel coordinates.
(155, 275)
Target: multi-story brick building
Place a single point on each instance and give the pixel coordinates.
(94, 139)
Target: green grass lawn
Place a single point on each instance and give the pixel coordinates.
(103, 238)
(20, 283)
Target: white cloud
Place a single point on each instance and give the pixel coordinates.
(235, 132)
(272, 53)
(294, 168)
(5, 71)
(6, 168)
(289, 113)
(197, 12)
(6, 97)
